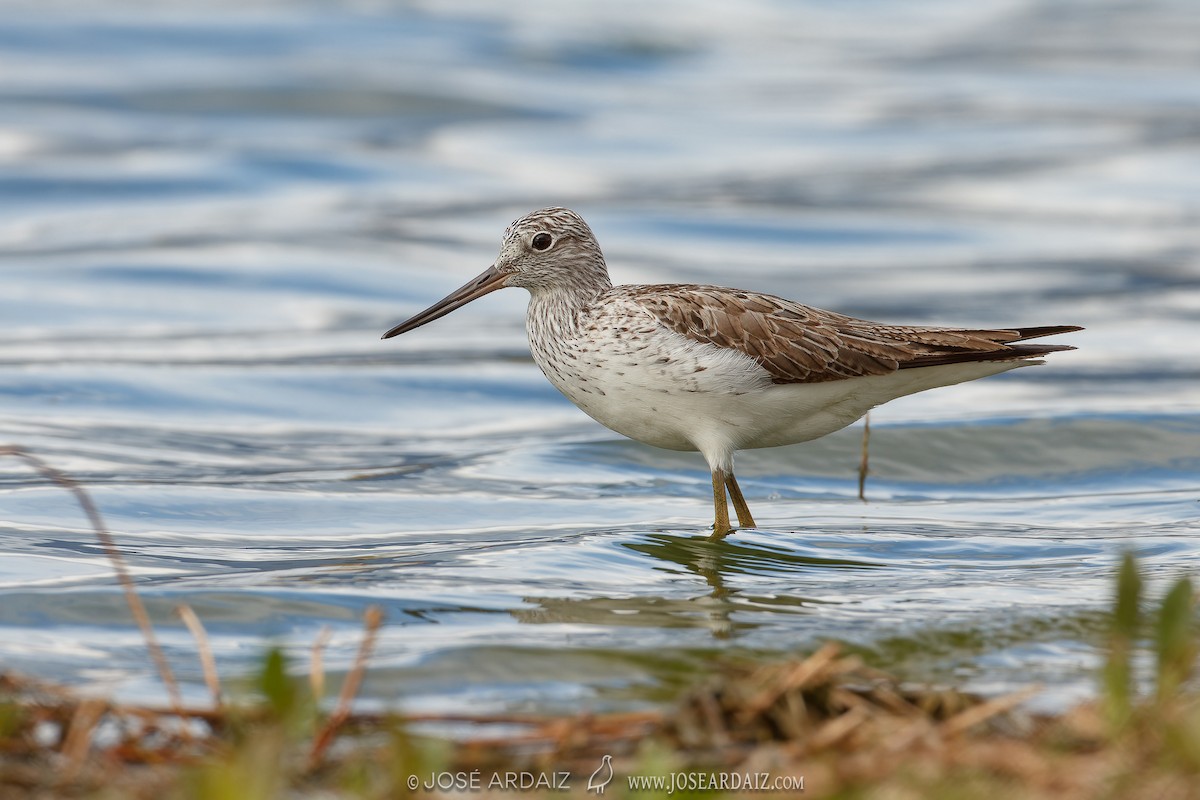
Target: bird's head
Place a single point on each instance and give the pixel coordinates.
(550, 250)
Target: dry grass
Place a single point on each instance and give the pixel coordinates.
(850, 731)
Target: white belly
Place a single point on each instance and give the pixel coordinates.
(656, 388)
(683, 395)
(651, 384)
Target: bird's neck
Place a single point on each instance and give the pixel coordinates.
(557, 308)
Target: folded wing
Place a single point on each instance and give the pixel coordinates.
(796, 343)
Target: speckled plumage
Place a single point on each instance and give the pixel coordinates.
(712, 369)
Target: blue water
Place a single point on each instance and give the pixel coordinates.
(209, 216)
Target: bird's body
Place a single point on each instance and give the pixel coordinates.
(617, 361)
(707, 368)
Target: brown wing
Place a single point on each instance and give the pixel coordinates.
(801, 344)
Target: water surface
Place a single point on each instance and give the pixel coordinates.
(207, 218)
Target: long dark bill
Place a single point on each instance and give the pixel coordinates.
(488, 281)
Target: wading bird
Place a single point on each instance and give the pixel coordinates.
(690, 367)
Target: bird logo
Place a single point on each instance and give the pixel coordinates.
(601, 777)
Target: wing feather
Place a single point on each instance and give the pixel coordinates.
(796, 343)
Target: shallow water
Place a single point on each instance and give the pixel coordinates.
(208, 219)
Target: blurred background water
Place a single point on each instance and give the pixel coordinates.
(209, 214)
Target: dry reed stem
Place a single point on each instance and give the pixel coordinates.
(208, 663)
(79, 735)
(838, 728)
(713, 718)
(316, 671)
(797, 677)
(888, 699)
(974, 715)
(372, 619)
(136, 607)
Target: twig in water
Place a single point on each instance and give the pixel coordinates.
(118, 561)
(862, 464)
(372, 619)
(207, 662)
(316, 671)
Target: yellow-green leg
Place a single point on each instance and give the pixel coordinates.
(739, 502)
(723, 481)
(721, 526)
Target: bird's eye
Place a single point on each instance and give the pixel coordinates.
(542, 241)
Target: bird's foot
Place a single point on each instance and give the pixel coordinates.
(720, 533)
